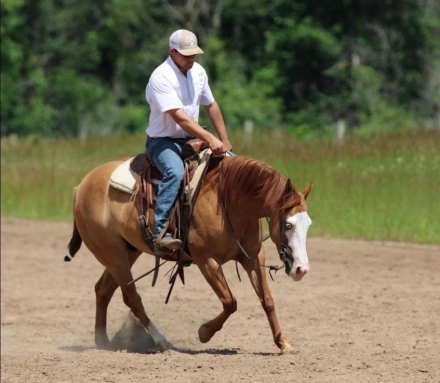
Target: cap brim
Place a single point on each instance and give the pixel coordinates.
(190, 52)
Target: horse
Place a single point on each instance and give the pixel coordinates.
(236, 194)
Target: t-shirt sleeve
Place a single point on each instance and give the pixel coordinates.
(161, 93)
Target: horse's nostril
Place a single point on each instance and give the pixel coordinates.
(298, 271)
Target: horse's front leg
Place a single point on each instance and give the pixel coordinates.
(257, 275)
(213, 273)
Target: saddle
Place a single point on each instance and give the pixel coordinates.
(179, 219)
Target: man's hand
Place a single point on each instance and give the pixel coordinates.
(227, 144)
(217, 146)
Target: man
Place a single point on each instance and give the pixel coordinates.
(175, 91)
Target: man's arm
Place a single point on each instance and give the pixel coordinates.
(192, 127)
(215, 116)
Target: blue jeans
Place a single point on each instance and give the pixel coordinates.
(166, 154)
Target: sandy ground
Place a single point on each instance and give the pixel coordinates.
(366, 312)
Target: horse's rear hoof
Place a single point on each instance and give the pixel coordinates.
(103, 345)
(101, 341)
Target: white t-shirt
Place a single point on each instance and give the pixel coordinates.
(169, 89)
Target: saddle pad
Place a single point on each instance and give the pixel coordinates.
(123, 178)
(204, 157)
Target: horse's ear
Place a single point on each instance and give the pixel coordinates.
(306, 191)
(289, 187)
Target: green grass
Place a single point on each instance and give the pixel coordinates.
(378, 188)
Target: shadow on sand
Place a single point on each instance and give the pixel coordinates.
(133, 338)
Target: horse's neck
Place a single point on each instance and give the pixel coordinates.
(250, 207)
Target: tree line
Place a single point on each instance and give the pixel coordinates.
(75, 68)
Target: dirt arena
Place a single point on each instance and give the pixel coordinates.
(366, 312)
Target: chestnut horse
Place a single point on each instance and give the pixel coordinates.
(226, 225)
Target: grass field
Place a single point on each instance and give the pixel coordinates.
(378, 188)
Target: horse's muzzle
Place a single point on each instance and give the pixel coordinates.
(298, 272)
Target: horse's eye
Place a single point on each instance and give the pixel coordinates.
(287, 225)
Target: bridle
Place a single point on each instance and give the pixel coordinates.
(285, 252)
(288, 263)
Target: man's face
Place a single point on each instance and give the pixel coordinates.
(184, 63)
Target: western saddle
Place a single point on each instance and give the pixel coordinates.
(179, 219)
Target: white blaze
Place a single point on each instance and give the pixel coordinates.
(297, 239)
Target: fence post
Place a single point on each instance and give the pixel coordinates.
(248, 131)
(340, 130)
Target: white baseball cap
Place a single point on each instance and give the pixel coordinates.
(185, 42)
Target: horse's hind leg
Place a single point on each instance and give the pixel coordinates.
(213, 273)
(104, 290)
(257, 275)
(118, 264)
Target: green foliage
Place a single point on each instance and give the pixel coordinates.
(374, 113)
(76, 68)
(132, 118)
(84, 105)
(344, 60)
(239, 98)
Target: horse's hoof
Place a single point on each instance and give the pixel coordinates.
(102, 344)
(205, 333)
(288, 349)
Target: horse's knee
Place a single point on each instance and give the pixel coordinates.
(103, 295)
(268, 305)
(100, 292)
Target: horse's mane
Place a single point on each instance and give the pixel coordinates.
(241, 178)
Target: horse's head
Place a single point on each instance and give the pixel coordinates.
(289, 233)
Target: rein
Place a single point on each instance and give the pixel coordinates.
(270, 267)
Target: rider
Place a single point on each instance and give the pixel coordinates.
(175, 91)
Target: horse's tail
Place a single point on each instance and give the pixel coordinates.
(75, 241)
(74, 244)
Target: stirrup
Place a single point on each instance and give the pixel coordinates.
(171, 243)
